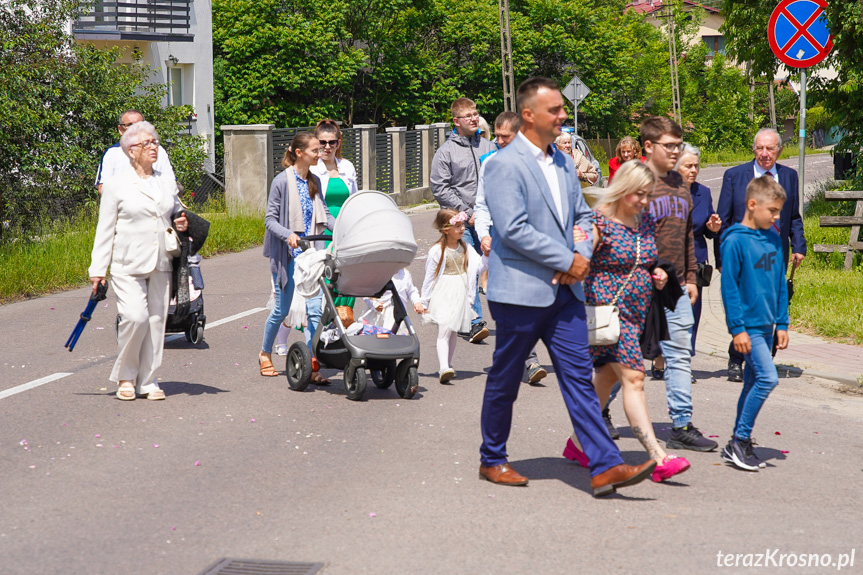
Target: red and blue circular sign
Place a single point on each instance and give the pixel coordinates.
(798, 32)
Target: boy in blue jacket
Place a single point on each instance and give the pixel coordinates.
(755, 297)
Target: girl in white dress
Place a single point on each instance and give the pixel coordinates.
(450, 286)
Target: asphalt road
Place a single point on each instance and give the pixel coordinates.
(237, 465)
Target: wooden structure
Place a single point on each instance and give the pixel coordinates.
(854, 222)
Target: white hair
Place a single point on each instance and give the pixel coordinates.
(563, 136)
(687, 148)
(131, 134)
(767, 131)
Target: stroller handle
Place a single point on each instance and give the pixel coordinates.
(319, 238)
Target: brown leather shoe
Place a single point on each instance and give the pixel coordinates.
(621, 475)
(502, 474)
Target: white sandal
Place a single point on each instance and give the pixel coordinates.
(126, 391)
(156, 395)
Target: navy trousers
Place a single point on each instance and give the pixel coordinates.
(563, 329)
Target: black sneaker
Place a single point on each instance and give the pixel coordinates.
(751, 453)
(689, 438)
(735, 372)
(478, 333)
(739, 453)
(535, 373)
(612, 431)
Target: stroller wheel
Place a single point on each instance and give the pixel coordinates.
(355, 383)
(384, 378)
(195, 334)
(299, 366)
(407, 379)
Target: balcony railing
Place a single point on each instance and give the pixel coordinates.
(155, 20)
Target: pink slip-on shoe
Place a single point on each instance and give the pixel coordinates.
(573, 453)
(671, 466)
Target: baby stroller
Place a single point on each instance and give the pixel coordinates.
(371, 241)
(192, 322)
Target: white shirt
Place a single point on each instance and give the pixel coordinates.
(346, 170)
(759, 171)
(546, 165)
(115, 162)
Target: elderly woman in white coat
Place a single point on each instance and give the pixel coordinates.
(134, 216)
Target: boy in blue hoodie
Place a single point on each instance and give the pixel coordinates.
(755, 297)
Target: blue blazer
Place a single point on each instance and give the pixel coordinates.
(702, 209)
(530, 242)
(732, 205)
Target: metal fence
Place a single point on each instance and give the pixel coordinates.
(352, 150)
(413, 160)
(152, 16)
(384, 167)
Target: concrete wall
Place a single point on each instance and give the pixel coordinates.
(248, 165)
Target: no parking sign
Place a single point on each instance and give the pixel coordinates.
(798, 32)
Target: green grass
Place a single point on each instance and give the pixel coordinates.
(739, 156)
(58, 260)
(827, 299)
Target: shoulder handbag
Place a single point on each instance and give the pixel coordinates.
(603, 321)
(172, 242)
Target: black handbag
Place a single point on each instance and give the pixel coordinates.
(703, 274)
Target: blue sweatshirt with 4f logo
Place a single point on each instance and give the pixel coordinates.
(754, 291)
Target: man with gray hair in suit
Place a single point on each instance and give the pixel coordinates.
(535, 291)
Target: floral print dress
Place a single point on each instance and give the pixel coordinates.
(612, 261)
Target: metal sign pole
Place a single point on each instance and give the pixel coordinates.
(802, 136)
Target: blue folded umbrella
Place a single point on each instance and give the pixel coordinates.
(101, 293)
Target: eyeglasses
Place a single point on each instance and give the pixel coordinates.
(126, 125)
(765, 148)
(670, 147)
(146, 144)
(473, 116)
(330, 143)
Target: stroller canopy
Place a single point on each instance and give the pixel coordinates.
(372, 240)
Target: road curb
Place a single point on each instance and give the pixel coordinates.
(798, 371)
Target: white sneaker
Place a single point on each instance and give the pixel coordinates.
(447, 375)
(282, 349)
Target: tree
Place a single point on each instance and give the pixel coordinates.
(59, 103)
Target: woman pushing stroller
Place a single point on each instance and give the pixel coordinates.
(295, 209)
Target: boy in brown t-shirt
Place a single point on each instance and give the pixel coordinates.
(671, 207)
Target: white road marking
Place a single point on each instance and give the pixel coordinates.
(54, 377)
(219, 322)
(32, 384)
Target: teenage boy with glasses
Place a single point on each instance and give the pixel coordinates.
(671, 207)
(454, 179)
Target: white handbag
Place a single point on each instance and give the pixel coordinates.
(603, 321)
(172, 242)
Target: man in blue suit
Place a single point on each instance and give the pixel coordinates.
(732, 208)
(535, 292)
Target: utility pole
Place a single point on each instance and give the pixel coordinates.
(672, 61)
(506, 57)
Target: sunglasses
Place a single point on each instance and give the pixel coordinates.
(330, 143)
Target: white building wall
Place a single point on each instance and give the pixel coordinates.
(195, 59)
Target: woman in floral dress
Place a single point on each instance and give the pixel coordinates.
(623, 237)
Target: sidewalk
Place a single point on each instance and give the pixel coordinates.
(807, 354)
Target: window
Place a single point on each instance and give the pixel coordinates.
(715, 44)
(175, 86)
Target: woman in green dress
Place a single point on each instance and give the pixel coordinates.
(337, 175)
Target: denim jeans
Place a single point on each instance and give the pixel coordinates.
(280, 311)
(759, 379)
(313, 315)
(678, 370)
(472, 239)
